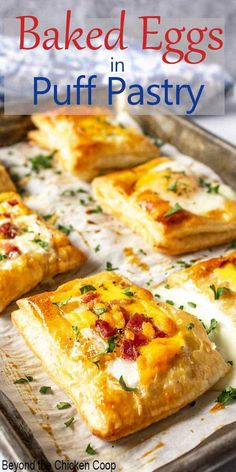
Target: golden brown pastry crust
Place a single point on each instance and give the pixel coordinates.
(30, 249)
(148, 200)
(6, 184)
(173, 368)
(89, 145)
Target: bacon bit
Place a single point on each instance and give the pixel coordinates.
(12, 251)
(105, 329)
(8, 230)
(158, 332)
(13, 202)
(128, 350)
(125, 314)
(140, 339)
(7, 215)
(88, 297)
(136, 321)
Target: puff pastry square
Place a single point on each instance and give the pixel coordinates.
(6, 184)
(30, 250)
(89, 145)
(173, 208)
(125, 360)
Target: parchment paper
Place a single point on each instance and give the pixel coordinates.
(104, 240)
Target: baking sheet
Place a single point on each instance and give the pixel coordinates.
(104, 240)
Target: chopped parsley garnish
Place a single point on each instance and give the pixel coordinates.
(109, 267)
(228, 394)
(87, 288)
(69, 422)
(65, 229)
(230, 362)
(63, 405)
(149, 282)
(184, 264)
(97, 248)
(176, 208)
(81, 190)
(45, 390)
(22, 380)
(218, 292)
(68, 193)
(3, 256)
(48, 216)
(213, 188)
(170, 302)
(15, 177)
(20, 189)
(90, 450)
(124, 386)
(142, 252)
(111, 345)
(210, 187)
(190, 325)
(98, 209)
(128, 292)
(181, 307)
(41, 243)
(232, 245)
(173, 187)
(157, 295)
(42, 161)
(167, 286)
(213, 326)
(26, 230)
(62, 303)
(193, 305)
(100, 311)
(201, 182)
(76, 332)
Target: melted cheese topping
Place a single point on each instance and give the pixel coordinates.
(156, 356)
(113, 300)
(174, 184)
